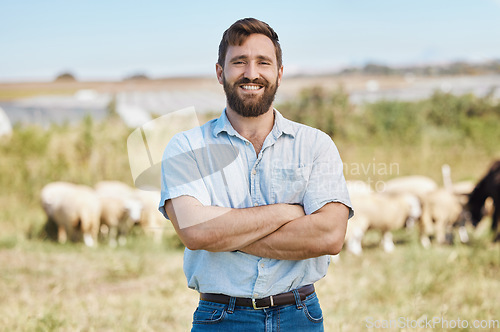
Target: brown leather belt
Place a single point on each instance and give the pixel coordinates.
(266, 302)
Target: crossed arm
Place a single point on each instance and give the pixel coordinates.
(280, 231)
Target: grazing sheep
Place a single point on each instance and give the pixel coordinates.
(487, 187)
(73, 208)
(418, 185)
(463, 190)
(356, 228)
(382, 212)
(120, 210)
(152, 221)
(441, 211)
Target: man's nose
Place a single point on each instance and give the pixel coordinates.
(251, 71)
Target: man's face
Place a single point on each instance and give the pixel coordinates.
(250, 76)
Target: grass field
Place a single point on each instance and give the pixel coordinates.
(45, 286)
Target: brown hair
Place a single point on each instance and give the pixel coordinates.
(240, 30)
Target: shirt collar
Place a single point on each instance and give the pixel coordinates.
(281, 126)
(223, 124)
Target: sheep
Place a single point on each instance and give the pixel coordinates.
(358, 224)
(487, 187)
(152, 221)
(356, 228)
(418, 185)
(464, 188)
(442, 210)
(120, 210)
(72, 208)
(383, 212)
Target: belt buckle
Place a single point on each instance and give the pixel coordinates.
(256, 308)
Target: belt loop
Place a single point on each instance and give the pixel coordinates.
(298, 302)
(232, 301)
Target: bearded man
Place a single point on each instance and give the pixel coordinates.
(268, 204)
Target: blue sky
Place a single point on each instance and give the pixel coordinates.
(114, 39)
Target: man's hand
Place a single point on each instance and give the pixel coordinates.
(216, 228)
(320, 233)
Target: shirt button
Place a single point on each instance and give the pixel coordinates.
(262, 265)
(255, 295)
(254, 171)
(255, 204)
(247, 143)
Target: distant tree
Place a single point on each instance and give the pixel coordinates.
(65, 76)
(376, 69)
(137, 77)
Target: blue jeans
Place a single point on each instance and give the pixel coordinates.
(301, 316)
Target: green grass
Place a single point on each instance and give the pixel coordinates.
(45, 286)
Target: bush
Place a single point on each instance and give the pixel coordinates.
(317, 108)
(65, 77)
(393, 122)
(388, 123)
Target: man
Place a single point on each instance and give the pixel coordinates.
(259, 201)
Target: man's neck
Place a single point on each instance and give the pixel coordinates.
(252, 128)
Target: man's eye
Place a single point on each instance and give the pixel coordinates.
(265, 63)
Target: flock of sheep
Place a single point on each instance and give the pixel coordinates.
(406, 202)
(111, 208)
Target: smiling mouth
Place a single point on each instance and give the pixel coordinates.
(251, 87)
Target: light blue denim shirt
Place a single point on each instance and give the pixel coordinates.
(216, 165)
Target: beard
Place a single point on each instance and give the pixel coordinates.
(250, 106)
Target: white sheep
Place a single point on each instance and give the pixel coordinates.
(120, 210)
(382, 212)
(441, 212)
(418, 185)
(356, 228)
(74, 209)
(152, 221)
(358, 224)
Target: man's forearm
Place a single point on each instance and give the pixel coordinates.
(215, 228)
(309, 236)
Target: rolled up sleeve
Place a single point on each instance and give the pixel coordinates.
(326, 182)
(180, 174)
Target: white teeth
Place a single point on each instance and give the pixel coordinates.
(251, 87)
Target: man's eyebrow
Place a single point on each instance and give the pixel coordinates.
(245, 57)
(265, 58)
(239, 57)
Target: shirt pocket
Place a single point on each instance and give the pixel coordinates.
(288, 185)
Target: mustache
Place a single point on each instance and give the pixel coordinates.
(260, 81)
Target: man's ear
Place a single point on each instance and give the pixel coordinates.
(220, 73)
(280, 75)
